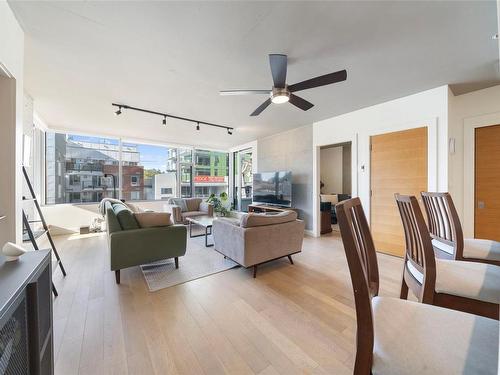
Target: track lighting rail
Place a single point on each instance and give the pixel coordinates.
(166, 115)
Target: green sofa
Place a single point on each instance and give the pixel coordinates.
(130, 245)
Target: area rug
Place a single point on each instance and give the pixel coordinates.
(199, 261)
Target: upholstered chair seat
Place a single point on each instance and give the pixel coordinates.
(474, 248)
(416, 338)
(478, 281)
(481, 249)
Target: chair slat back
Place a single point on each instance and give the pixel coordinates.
(362, 261)
(419, 251)
(443, 221)
(358, 243)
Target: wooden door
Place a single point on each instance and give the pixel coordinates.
(487, 183)
(398, 164)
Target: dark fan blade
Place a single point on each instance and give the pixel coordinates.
(278, 69)
(243, 92)
(261, 107)
(327, 79)
(299, 102)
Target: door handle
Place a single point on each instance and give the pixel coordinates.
(480, 204)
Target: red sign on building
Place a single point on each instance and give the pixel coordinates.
(208, 179)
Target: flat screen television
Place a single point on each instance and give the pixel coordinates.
(273, 188)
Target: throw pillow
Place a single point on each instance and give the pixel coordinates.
(332, 198)
(179, 202)
(261, 219)
(133, 207)
(125, 217)
(153, 219)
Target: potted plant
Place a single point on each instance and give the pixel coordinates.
(221, 203)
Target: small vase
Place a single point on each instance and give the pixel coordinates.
(12, 251)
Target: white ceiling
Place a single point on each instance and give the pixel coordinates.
(175, 56)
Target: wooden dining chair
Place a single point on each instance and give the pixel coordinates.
(466, 286)
(399, 337)
(447, 235)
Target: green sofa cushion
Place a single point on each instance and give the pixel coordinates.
(111, 220)
(125, 217)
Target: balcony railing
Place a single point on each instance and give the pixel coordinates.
(84, 167)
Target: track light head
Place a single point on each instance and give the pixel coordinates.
(197, 126)
(119, 111)
(164, 120)
(229, 131)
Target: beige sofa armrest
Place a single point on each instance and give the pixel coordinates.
(229, 240)
(207, 207)
(176, 213)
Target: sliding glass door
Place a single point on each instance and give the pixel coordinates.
(243, 179)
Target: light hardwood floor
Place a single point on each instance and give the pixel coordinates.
(292, 319)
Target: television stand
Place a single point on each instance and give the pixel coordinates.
(268, 208)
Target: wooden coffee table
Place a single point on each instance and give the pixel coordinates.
(204, 221)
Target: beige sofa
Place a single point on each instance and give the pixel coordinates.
(257, 238)
(182, 208)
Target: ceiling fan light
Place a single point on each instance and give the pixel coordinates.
(280, 95)
(280, 99)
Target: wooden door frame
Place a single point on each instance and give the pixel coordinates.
(470, 126)
(432, 154)
(353, 139)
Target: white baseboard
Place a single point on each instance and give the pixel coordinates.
(309, 232)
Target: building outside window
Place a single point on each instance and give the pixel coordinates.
(134, 180)
(135, 195)
(149, 169)
(185, 155)
(75, 167)
(211, 173)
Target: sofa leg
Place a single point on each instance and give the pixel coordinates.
(176, 259)
(254, 271)
(290, 259)
(117, 276)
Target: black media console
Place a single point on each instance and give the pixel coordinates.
(26, 339)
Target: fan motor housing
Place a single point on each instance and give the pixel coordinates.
(280, 94)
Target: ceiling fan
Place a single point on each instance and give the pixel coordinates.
(281, 92)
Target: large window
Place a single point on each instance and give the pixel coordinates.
(81, 169)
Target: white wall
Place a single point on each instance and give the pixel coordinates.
(11, 60)
(478, 108)
(331, 169)
(427, 108)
